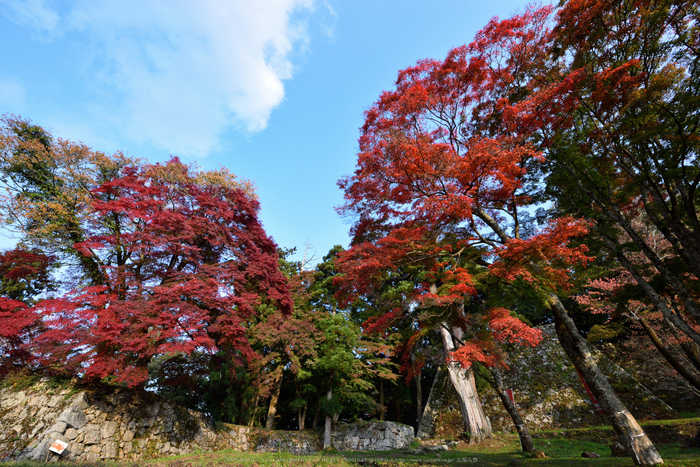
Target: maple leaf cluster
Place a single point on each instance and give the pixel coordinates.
(445, 180)
(183, 264)
(24, 275)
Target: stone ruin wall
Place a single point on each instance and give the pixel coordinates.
(119, 424)
(372, 436)
(549, 393)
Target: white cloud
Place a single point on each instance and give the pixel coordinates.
(178, 73)
(34, 13)
(328, 26)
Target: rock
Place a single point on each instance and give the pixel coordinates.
(618, 450)
(81, 401)
(127, 447)
(590, 455)
(71, 434)
(74, 417)
(59, 427)
(55, 400)
(153, 409)
(108, 429)
(109, 450)
(92, 435)
(37, 428)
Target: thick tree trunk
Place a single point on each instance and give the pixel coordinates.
(670, 358)
(274, 398)
(426, 428)
(628, 430)
(475, 421)
(523, 432)
(327, 432)
(397, 407)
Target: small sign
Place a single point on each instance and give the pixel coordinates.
(510, 396)
(590, 394)
(58, 446)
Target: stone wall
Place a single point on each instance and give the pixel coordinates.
(119, 424)
(372, 436)
(549, 393)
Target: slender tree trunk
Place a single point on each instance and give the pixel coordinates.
(523, 432)
(419, 396)
(317, 416)
(475, 421)
(327, 432)
(255, 409)
(274, 398)
(690, 349)
(426, 427)
(628, 430)
(670, 358)
(382, 409)
(302, 414)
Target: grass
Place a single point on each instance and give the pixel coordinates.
(562, 448)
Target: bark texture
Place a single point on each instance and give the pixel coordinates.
(274, 398)
(628, 430)
(523, 432)
(476, 423)
(327, 431)
(670, 358)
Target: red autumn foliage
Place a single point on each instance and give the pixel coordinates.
(446, 175)
(23, 275)
(185, 266)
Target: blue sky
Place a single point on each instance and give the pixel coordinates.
(274, 90)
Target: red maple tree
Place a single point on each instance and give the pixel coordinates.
(185, 264)
(442, 177)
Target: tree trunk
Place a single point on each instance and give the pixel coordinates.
(426, 428)
(419, 398)
(628, 430)
(317, 415)
(523, 432)
(397, 407)
(475, 421)
(274, 398)
(382, 409)
(327, 432)
(255, 409)
(690, 348)
(670, 358)
(301, 417)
